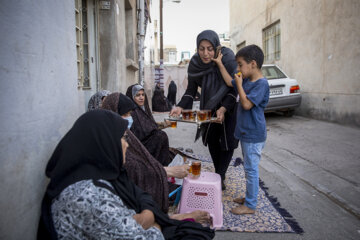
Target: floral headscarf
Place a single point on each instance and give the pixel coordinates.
(96, 99)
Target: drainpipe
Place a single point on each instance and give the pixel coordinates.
(141, 34)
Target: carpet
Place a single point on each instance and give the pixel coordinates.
(269, 215)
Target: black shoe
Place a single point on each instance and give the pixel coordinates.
(223, 186)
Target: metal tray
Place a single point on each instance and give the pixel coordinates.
(179, 119)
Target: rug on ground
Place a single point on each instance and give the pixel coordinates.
(269, 215)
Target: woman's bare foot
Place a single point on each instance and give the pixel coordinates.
(198, 215)
(239, 200)
(242, 210)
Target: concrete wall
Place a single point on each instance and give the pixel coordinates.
(171, 72)
(115, 76)
(179, 75)
(319, 48)
(39, 102)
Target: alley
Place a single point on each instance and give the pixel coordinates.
(311, 166)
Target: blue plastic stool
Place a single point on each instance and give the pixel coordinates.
(178, 195)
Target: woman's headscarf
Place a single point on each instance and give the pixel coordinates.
(135, 89)
(96, 99)
(132, 91)
(213, 87)
(92, 150)
(119, 103)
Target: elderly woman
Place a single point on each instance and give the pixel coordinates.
(90, 196)
(143, 169)
(145, 127)
(215, 96)
(97, 99)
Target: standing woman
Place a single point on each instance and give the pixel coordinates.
(172, 93)
(215, 96)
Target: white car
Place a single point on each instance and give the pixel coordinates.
(285, 93)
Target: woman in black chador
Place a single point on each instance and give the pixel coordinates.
(90, 196)
(172, 93)
(216, 96)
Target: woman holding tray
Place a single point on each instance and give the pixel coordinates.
(215, 96)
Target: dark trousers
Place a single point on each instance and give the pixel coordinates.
(221, 158)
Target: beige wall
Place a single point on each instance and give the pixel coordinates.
(118, 45)
(171, 72)
(320, 42)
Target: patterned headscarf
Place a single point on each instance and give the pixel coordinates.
(96, 99)
(135, 89)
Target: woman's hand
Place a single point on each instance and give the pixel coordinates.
(164, 124)
(177, 171)
(176, 111)
(220, 115)
(146, 219)
(238, 78)
(218, 60)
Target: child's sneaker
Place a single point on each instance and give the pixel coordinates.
(242, 210)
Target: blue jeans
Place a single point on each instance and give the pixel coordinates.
(252, 155)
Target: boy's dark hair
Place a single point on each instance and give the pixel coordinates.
(251, 52)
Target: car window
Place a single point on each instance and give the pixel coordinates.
(272, 72)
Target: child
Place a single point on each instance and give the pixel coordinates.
(253, 90)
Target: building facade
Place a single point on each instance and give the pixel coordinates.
(53, 56)
(315, 42)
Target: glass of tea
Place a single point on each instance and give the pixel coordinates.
(201, 115)
(173, 124)
(195, 169)
(188, 114)
(208, 114)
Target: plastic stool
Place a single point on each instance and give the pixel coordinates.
(204, 194)
(178, 194)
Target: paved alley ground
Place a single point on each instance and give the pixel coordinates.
(311, 166)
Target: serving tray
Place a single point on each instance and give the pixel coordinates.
(196, 121)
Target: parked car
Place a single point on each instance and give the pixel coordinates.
(285, 93)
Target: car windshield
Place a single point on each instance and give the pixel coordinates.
(272, 72)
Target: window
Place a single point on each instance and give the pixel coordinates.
(129, 23)
(82, 44)
(185, 55)
(271, 42)
(172, 57)
(240, 46)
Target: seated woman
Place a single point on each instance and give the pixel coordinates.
(90, 196)
(97, 99)
(143, 169)
(145, 128)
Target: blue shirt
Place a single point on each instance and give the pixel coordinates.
(251, 124)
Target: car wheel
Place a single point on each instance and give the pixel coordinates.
(289, 113)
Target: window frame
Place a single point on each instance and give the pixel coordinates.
(82, 44)
(271, 38)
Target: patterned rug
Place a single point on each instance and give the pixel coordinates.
(269, 216)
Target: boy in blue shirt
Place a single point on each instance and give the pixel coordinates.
(253, 90)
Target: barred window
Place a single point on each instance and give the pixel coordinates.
(271, 42)
(82, 44)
